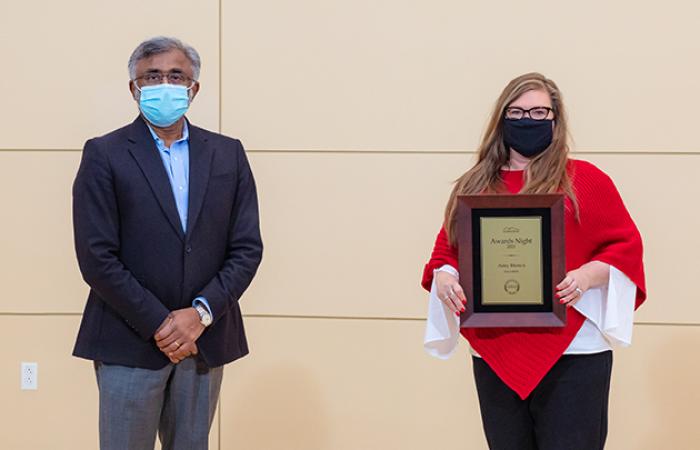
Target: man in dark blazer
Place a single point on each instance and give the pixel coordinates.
(167, 237)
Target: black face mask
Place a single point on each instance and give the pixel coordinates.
(527, 136)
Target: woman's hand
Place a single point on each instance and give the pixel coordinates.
(450, 292)
(575, 283)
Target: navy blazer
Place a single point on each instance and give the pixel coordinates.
(137, 260)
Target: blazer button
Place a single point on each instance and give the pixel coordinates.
(188, 249)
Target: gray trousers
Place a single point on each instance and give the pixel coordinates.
(176, 402)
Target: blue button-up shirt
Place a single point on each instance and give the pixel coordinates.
(176, 160)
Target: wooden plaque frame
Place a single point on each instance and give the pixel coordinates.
(550, 207)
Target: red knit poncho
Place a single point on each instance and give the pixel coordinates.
(605, 232)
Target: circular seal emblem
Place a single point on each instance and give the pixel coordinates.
(511, 287)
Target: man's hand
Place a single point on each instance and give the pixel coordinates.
(177, 335)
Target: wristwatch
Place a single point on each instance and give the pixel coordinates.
(204, 316)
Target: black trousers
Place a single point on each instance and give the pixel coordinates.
(568, 410)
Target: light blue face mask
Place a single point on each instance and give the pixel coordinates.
(164, 104)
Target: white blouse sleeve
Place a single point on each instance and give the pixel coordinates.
(611, 308)
(442, 326)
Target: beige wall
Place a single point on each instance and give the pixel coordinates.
(356, 115)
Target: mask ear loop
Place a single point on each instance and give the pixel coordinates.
(190, 95)
(137, 95)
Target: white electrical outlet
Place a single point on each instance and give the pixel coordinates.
(29, 373)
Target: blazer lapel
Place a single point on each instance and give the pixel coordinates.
(201, 154)
(144, 150)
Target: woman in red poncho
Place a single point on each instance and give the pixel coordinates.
(546, 388)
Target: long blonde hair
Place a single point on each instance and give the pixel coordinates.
(545, 173)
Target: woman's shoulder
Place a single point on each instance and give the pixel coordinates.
(580, 169)
(586, 177)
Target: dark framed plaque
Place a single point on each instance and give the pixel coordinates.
(511, 257)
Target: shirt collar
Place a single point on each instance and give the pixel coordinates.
(159, 141)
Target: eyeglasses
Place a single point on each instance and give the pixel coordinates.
(154, 78)
(536, 113)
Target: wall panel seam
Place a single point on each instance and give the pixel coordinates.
(390, 152)
(323, 317)
(34, 150)
(221, 64)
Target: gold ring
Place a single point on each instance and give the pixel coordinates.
(177, 344)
